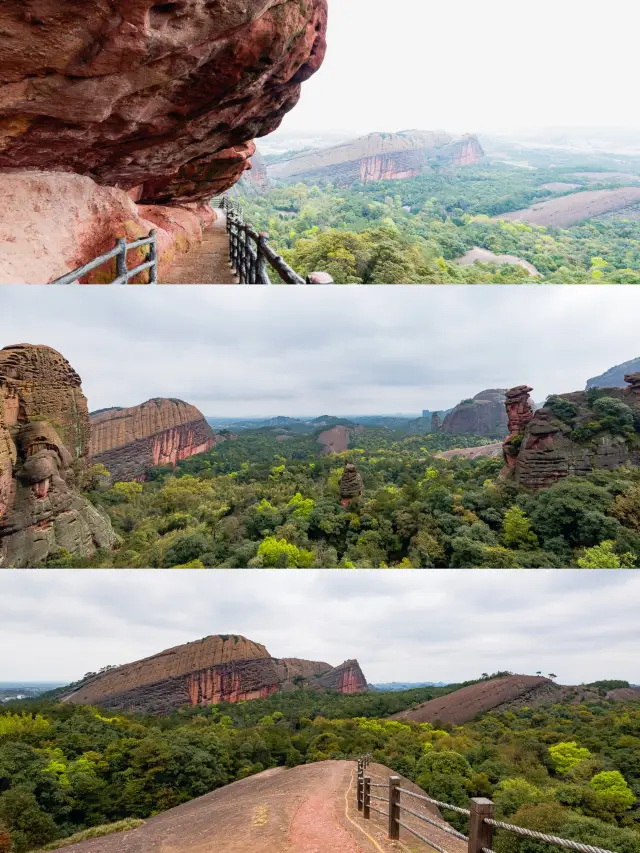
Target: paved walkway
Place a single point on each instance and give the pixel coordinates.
(209, 263)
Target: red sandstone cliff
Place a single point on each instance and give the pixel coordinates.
(483, 415)
(159, 432)
(44, 439)
(380, 157)
(222, 668)
(152, 103)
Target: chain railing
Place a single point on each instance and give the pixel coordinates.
(119, 252)
(480, 814)
(250, 252)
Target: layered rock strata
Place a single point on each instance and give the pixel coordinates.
(572, 435)
(483, 415)
(128, 442)
(380, 157)
(164, 97)
(350, 486)
(222, 668)
(44, 439)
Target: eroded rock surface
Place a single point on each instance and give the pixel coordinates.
(380, 157)
(166, 97)
(351, 486)
(44, 439)
(484, 415)
(221, 668)
(159, 432)
(572, 434)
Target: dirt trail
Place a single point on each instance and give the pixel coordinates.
(209, 263)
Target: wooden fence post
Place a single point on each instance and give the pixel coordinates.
(480, 833)
(366, 798)
(121, 259)
(262, 274)
(394, 808)
(153, 256)
(360, 784)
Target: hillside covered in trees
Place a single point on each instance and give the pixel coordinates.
(260, 501)
(411, 231)
(571, 769)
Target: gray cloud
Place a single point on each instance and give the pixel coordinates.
(346, 350)
(423, 625)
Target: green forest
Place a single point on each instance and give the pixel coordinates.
(410, 231)
(259, 502)
(72, 772)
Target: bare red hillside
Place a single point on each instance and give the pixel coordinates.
(465, 704)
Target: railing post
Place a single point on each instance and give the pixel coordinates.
(480, 833)
(360, 785)
(121, 260)
(153, 256)
(262, 273)
(366, 798)
(233, 242)
(394, 808)
(251, 258)
(243, 254)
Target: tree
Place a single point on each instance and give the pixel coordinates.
(516, 530)
(603, 556)
(567, 754)
(129, 491)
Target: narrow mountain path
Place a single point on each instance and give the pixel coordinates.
(307, 809)
(209, 263)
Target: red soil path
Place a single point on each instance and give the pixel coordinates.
(209, 263)
(308, 809)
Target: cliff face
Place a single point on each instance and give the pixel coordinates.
(572, 434)
(254, 181)
(165, 97)
(483, 415)
(159, 432)
(215, 669)
(380, 157)
(44, 437)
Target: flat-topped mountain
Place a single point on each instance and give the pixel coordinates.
(159, 432)
(44, 448)
(379, 157)
(220, 668)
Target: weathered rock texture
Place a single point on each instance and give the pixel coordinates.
(165, 97)
(337, 439)
(53, 222)
(380, 157)
(159, 432)
(222, 668)
(351, 486)
(483, 415)
(254, 181)
(436, 422)
(44, 439)
(569, 436)
(615, 376)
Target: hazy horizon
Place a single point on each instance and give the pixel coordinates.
(250, 352)
(469, 67)
(430, 625)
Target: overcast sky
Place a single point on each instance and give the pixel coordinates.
(401, 626)
(308, 351)
(470, 66)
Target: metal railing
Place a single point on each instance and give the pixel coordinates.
(250, 252)
(480, 814)
(119, 252)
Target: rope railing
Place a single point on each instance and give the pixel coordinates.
(119, 252)
(480, 813)
(251, 255)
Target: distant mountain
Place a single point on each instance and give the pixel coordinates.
(614, 376)
(379, 157)
(392, 686)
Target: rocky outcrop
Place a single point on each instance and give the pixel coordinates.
(615, 376)
(436, 422)
(337, 439)
(254, 181)
(44, 439)
(380, 157)
(159, 432)
(572, 434)
(221, 668)
(483, 415)
(164, 97)
(351, 486)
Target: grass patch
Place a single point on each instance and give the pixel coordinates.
(94, 832)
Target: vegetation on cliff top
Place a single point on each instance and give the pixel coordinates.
(573, 770)
(260, 502)
(410, 231)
